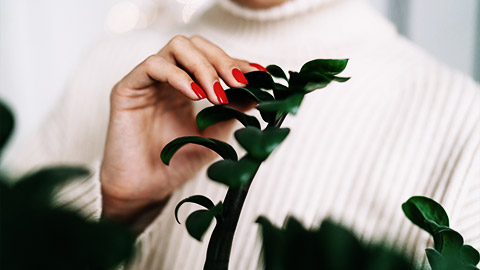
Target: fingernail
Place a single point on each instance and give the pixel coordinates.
(198, 90)
(259, 67)
(217, 88)
(238, 75)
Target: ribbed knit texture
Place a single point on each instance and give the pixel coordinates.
(403, 125)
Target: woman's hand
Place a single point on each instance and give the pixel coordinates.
(150, 107)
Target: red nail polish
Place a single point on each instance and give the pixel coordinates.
(259, 67)
(217, 88)
(198, 90)
(238, 75)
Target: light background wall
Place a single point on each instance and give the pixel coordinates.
(42, 41)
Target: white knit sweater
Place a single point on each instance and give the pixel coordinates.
(403, 125)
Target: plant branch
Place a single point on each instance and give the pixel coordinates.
(220, 245)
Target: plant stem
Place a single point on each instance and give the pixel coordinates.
(220, 245)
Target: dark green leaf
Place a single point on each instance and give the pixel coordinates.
(447, 241)
(340, 79)
(469, 255)
(38, 186)
(225, 150)
(198, 199)
(248, 92)
(252, 93)
(288, 105)
(281, 91)
(419, 209)
(330, 246)
(310, 81)
(327, 66)
(216, 114)
(435, 259)
(233, 173)
(274, 245)
(260, 144)
(280, 87)
(259, 79)
(277, 71)
(198, 222)
(6, 124)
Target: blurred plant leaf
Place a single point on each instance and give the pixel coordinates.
(197, 199)
(260, 144)
(233, 173)
(288, 105)
(225, 150)
(277, 71)
(39, 185)
(53, 237)
(327, 66)
(215, 114)
(6, 125)
(259, 79)
(328, 247)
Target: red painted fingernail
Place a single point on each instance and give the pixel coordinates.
(198, 90)
(217, 88)
(259, 67)
(238, 75)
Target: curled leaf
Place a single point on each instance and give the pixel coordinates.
(197, 199)
(225, 150)
(419, 209)
(212, 115)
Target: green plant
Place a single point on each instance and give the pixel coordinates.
(236, 173)
(449, 251)
(37, 234)
(332, 246)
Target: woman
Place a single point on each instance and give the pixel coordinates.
(403, 125)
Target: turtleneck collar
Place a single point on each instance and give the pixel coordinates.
(285, 10)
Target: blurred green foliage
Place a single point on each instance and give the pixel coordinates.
(37, 234)
(330, 247)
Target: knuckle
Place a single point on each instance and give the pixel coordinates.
(178, 40)
(196, 38)
(152, 60)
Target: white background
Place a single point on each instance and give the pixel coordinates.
(42, 41)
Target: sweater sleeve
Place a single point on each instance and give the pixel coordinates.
(465, 213)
